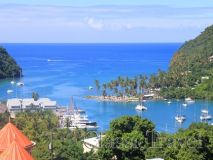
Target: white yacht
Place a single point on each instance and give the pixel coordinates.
(140, 107)
(76, 118)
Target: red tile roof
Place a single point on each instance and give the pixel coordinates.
(15, 152)
(9, 133)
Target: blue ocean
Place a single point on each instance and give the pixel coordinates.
(62, 71)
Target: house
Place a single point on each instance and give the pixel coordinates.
(14, 144)
(16, 152)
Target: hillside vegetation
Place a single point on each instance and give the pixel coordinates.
(191, 69)
(8, 66)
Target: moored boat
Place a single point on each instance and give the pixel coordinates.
(189, 100)
(9, 91)
(140, 107)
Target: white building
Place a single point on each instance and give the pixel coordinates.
(204, 78)
(211, 58)
(16, 105)
(92, 143)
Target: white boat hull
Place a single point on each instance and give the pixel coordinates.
(140, 108)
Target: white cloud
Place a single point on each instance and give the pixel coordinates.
(95, 24)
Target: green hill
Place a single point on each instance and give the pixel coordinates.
(191, 68)
(8, 66)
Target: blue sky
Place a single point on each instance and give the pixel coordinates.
(102, 21)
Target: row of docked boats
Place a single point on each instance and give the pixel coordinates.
(74, 118)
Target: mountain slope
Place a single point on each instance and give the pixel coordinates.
(8, 66)
(193, 57)
(191, 69)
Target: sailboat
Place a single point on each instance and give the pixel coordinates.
(13, 81)
(205, 116)
(20, 84)
(140, 106)
(179, 117)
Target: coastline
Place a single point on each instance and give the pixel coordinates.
(124, 99)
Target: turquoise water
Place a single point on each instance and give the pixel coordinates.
(59, 71)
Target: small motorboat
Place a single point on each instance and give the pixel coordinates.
(185, 104)
(20, 84)
(12, 82)
(169, 102)
(9, 91)
(204, 111)
(90, 87)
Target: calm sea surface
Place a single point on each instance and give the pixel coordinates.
(59, 71)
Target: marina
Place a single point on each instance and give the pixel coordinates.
(73, 117)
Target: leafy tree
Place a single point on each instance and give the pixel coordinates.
(127, 138)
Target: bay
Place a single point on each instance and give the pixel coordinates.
(59, 71)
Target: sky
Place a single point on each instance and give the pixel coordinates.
(103, 21)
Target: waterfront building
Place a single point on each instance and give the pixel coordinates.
(16, 105)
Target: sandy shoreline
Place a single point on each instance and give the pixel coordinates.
(116, 99)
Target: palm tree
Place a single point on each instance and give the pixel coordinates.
(67, 122)
(143, 82)
(97, 84)
(104, 93)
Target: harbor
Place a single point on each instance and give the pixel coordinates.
(177, 113)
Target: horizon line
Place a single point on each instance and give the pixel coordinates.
(88, 42)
